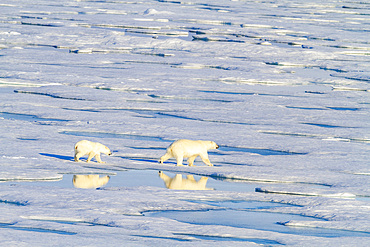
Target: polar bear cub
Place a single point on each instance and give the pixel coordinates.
(189, 149)
(93, 149)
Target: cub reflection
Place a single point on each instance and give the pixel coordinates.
(89, 181)
(180, 183)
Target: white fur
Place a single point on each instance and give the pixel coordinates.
(189, 149)
(180, 183)
(93, 149)
(89, 181)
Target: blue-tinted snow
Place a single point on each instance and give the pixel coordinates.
(281, 86)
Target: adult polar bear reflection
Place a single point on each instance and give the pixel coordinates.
(180, 183)
(189, 149)
(89, 181)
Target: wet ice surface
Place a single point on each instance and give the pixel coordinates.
(241, 214)
(282, 87)
(137, 178)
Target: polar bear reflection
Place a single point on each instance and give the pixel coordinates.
(89, 181)
(180, 183)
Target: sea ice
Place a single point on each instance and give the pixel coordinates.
(282, 87)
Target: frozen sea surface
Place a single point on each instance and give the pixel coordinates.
(281, 86)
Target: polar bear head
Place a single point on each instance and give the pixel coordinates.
(212, 145)
(105, 150)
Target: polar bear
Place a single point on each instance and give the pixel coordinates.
(180, 183)
(189, 149)
(89, 181)
(92, 149)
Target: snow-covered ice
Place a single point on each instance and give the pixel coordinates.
(281, 86)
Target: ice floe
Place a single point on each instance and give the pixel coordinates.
(282, 87)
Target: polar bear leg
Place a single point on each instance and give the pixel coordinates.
(97, 157)
(191, 160)
(91, 155)
(205, 159)
(78, 156)
(165, 157)
(179, 160)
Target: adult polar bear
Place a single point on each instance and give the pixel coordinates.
(189, 149)
(93, 149)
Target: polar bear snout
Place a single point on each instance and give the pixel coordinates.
(213, 145)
